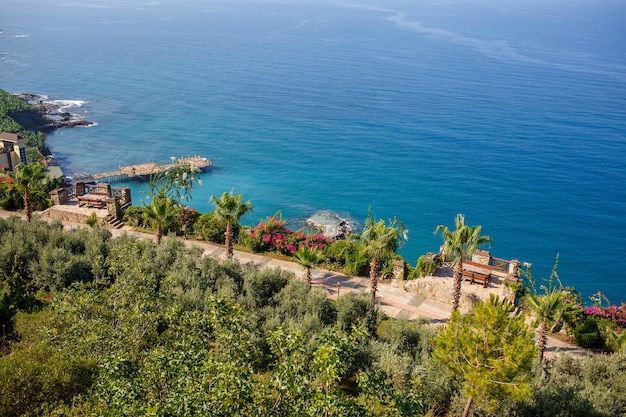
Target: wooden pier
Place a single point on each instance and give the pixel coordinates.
(144, 171)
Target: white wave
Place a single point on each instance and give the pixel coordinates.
(22, 36)
(65, 105)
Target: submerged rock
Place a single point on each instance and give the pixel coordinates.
(330, 224)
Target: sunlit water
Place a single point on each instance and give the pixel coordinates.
(512, 113)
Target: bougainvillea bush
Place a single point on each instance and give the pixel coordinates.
(613, 313)
(602, 326)
(187, 217)
(271, 235)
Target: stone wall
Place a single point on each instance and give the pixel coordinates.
(399, 270)
(481, 257)
(59, 196)
(56, 213)
(439, 288)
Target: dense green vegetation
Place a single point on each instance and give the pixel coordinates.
(27, 187)
(94, 326)
(17, 116)
(109, 327)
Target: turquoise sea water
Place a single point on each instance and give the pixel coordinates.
(513, 113)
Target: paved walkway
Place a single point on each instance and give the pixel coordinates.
(391, 296)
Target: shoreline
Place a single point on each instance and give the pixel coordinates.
(56, 112)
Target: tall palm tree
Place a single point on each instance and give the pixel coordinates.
(160, 214)
(28, 179)
(550, 308)
(231, 208)
(457, 244)
(380, 240)
(308, 258)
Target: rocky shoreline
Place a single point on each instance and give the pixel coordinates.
(55, 112)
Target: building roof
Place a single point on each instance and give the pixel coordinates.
(9, 137)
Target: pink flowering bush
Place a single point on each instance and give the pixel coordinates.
(602, 326)
(271, 235)
(187, 217)
(613, 313)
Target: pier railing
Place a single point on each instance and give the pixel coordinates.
(144, 171)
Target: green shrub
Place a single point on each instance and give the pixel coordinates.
(92, 220)
(411, 336)
(7, 315)
(354, 309)
(587, 332)
(41, 376)
(426, 267)
(346, 254)
(260, 287)
(134, 216)
(212, 228)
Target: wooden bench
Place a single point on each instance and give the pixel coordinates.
(473, 271)
(92, 200)
(475, 276)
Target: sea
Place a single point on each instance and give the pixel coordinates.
(510, 112)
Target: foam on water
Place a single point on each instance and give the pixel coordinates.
(67, 105)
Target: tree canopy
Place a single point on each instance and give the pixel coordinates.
(97, 326)
(17, 116)
(491, 349)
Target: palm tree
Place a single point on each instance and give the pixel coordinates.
(549, 308)
(307, 258)
(380, 240)
(160, 214)
(457, 245)
(231, 208)
(28, 179)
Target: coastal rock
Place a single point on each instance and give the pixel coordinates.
(330, 224)
(55, 112)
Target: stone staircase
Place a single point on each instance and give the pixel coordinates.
(112, 222)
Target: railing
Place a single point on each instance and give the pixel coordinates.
(499, 264)
(91, 188)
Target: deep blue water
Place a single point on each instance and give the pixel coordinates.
(513, 113)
